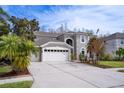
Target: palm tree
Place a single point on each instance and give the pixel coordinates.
(95, 46)
(18, 50)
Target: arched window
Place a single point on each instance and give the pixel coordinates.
(69, 41)
(83, 51)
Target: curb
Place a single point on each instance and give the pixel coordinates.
(16, 79)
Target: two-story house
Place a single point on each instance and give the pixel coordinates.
(113, 42)
(59, 46)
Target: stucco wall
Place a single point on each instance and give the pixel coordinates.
(112, 45)
(80, 45)
(119, 43)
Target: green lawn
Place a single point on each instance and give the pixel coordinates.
(113, 64)
(5, 69)
(22, 84)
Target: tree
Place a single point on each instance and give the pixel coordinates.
(89, 32)
(95, 47)
(24, 27)
(120, 53)
(4, 25)
(4, 14)
(19, 26)
(17, 50)
(18, 45)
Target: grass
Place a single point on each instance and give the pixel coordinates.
(22, 84)
(112, 64)
(5, 69)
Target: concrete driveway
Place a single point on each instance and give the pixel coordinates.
(73, 75)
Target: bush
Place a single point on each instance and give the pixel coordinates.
(81, 57)
(73, 56)
(106, 57)
(18, 51)
(120, 54)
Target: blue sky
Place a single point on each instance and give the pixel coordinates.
(108, 19)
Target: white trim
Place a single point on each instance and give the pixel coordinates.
(84, 50)
(71, 39)
(37, 46)
(56, 47)
(56, 43)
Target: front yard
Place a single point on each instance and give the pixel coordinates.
(111, 64)
(22, 84)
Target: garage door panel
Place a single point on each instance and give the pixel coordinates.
(55, 56)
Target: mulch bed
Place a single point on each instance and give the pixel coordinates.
(13, 73)
(101, 66)
(121, 71)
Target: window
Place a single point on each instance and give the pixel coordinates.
(66, 50)
(122, 41)
(60, 50)
(82, 38)
(51, 50)
(69, 41)
(48, 50)
(45, 50)
(63, 50)
(83, 51)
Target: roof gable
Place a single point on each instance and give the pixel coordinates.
(53, 44)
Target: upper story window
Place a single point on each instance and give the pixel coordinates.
(82, 37)
(69, 41)
(122, 41)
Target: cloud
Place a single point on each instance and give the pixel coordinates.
(106, 18)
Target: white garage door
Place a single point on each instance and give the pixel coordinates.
(55, 55)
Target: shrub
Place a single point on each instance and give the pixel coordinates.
(106, 57)
(73, 56)
(120, 53)
(81, 57)
(17, 50)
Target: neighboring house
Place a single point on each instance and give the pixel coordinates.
(113, 42)
(59, 46)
